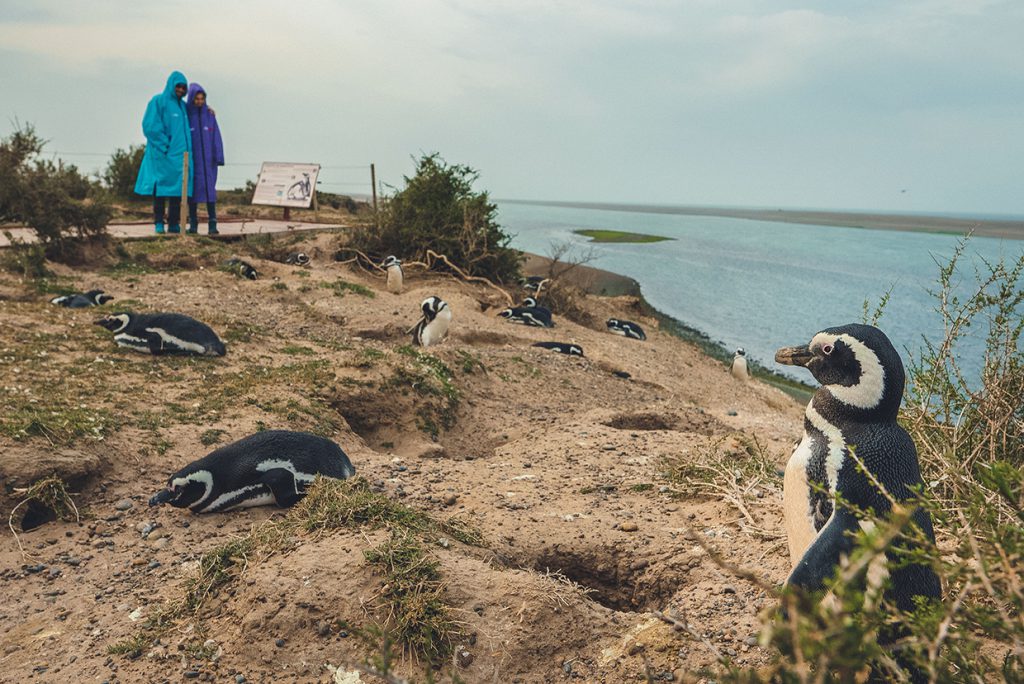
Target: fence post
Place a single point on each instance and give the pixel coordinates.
(373, 185)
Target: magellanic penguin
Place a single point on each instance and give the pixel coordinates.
(533, 283)
(739, 365)
(163, 333)
(561, 347)
(528, 315)
(862, 380)
(396, 278)
(626, 328)
(271, 467)
(531, 303)
(297, 259)
(432, 328)
(81, 300)
(241, 268)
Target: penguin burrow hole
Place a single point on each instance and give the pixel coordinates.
(643, 421)
(614, 579)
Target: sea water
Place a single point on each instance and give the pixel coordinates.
(762, 285)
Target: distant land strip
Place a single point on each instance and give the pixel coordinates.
(982, 227)
(619, 236)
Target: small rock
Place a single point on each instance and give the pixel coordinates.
(279, 643)
(731, 413)
(124, 505)
(239, 679)
(161, 543)
(154, 564)
(450, 500)
(628, 526)
(728, 589)
(465, 657)
(750, 641)
(191, 674)
(322, 628)
(32, 569)
(636, 648)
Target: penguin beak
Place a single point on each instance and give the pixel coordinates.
(794, 356)
(161, 497)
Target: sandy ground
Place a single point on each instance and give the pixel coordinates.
(561, 462)
(229, 228)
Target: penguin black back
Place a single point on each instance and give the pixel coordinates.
(163, 333)
(561, 347)
(862, 380)
(271, 467)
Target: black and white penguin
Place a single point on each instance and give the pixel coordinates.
(396, 278)
(297, 258)
(533, 283)
(81, 300)
(163, 333)
(432, 328)
(272, 467)
(241, 268)
(528, 315)
(531, 303)
(561, 347)
(739, 365)
(862, 380)
(626, 328)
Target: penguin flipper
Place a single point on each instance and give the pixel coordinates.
(283, 486)
(821, 558)
(155, 342)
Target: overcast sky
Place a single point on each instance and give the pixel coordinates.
(909, 105)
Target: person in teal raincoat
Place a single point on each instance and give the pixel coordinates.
(168, 137)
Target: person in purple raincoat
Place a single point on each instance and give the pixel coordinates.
(208, 154)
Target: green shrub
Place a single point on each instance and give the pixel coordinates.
(51, 198)
(122, 171)
(438, 210)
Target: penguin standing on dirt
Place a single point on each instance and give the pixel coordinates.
(163, 333)
(271, 467)
(855, 408)
(396, 278)
(626, 329)
(739, 365)
(432, 328)
(81, 300)
(561, 347)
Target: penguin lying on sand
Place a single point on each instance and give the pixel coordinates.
(862, 381)
(626, 329)
(81, 300)
(531, 303)
(272, 467)
(396, 277)
(163, 333)
(432, 328)
(561, 347)
(297, 258)
(739, 365)
(528, 315)
(241, 268)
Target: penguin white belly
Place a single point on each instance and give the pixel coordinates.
(739, 369)
(131, 342)
(173, 341)
(395, 280)
(796, 497)
(434, 331)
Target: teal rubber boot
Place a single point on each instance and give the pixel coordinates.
(213, 228)
(159, 228)
(174, 229)
(193, 225)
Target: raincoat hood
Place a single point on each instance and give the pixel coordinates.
(194, 88)
(174, 79)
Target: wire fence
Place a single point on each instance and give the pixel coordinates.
(340, 179)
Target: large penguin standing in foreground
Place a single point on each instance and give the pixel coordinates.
(163, 333)
(862, 380)
(272, 467)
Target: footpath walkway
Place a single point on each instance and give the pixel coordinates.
(228, 228)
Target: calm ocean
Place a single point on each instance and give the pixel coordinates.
(762, 285)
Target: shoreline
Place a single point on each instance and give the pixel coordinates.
(603, 283)
(911, 223)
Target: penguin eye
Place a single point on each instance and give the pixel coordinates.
(826, 348)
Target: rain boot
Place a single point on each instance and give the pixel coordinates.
(174, 229)
(193, 225)
(213, 227)
(159, 225)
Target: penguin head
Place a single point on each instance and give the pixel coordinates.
(115, 322)
(530, 302)
(505, 313)
(575, 349)
(741, 352)
(97, 297)
(390, 261)
(301, 258)
(432, 306)
(185, 488)
(856, 363)
(613, 323)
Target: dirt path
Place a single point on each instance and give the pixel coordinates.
(573, 473)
